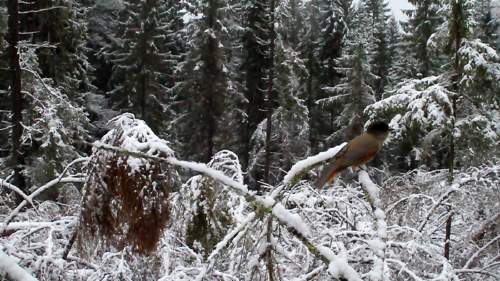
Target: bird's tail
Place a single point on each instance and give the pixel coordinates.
(327, 175)
(331, 177)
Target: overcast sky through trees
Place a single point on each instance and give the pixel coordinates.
(397, 5)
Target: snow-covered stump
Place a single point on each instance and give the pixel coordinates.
(377, 244)
(125, 202)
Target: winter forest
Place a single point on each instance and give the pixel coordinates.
(174, 140)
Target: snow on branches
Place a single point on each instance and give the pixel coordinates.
(125, 201)
(214, 228)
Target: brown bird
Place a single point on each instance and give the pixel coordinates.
(357, 152)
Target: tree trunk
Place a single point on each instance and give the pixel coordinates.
(270, 89)
(16, 95)
(448, 236)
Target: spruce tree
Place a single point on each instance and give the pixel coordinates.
(63, 29)
(309, 50)
(379, 53)
(487, 23)
(352, 95)
(4, 80)
(53, 123)
(290, 118)
(423, 21)
(333, 18)
(140, 61)
(448, 120)
(16, 96)
(400, 65)
(204, 89)
(255, 64)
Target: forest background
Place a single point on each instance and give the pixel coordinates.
(249, 88)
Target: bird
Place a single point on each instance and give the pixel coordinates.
(357, 152)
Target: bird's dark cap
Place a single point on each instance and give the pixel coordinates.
(378, 127)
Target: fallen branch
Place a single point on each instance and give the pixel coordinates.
(439, 202)
(9, 265)
(476, 254)
(4, 183)
(48, 185)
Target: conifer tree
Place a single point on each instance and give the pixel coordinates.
(331, 19)
(63, 29)
(290, 119)
(353, 94)
(204, 89)
(379, 57)
(4, 81)
(255, 64)
(447, 120)
(309, 51)
(423, 21)
(400, 65)
(52, 122)
(16, 96)
(140, 61)
(487, 23)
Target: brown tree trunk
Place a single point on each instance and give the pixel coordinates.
(16, 95)
(448, 237)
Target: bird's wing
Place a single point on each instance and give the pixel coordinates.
(360, 151)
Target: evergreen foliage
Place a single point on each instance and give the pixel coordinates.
(139, 58)
(254, 97)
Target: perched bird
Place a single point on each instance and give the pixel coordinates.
(357, 152)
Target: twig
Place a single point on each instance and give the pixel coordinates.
(48, 185)
(439, 202)
(471, 259)
(222, 244)
(4, 183)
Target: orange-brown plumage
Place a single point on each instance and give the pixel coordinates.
(357, 152)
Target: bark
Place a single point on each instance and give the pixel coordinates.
(270, 90)
(448, 237)
(16, 95)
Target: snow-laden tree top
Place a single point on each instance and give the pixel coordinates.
(133, 135)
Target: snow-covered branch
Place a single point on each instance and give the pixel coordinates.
(4, 183)
(267, 204)
(301, 167)
(9, 265)
(378, 244)
(37, 192)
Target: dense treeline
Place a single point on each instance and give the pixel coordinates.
(207, 75)
(249, 88)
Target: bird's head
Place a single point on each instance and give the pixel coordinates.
(379, 129)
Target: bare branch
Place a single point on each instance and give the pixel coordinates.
(43, 10)
(476, 254)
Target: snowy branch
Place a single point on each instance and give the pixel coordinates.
(267, 204)
(9, 265)
(378, 244)
(301, 167)
(4, 183)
